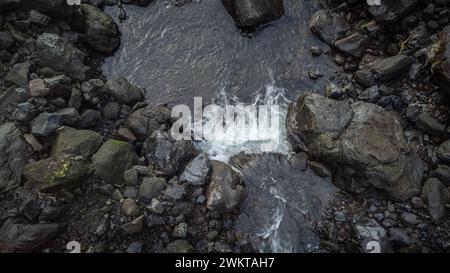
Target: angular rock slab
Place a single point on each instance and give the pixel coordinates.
(13, 155)
(251, 13)
(283, 202)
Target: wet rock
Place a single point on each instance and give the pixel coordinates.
(364, 78)
(436, 198)
(333, 91)
(52, 213)
(329, 27)
(442, 172)
(169, 157)
(77, 142)
(417, 203)
(69, 116)
(282, 194)
(18, 237)
(320, 169)
(439, 58)
(131, 192)
(371, 235)
(175, 191)
(179, 246)
(143, 122)
(18, 74)
(53, 8)
(354, 45)
(196, 171)
(60, 55)
(251, 13)
(123, 91)
(392, 67)
(94, 89)
(156, 206)
(408, 219)
(225, 190)
(38, 88)
(59, 85)
(150, 188)
(25, 112)
(112, 160)
(46, 124)
(13, 159)
(133, 227)
(131, 177)
(362, 140)
(371, 94)
(38, 18)
(53, 174)
(443, 151)
(33, 142)
(111, 110)
(101, 30)
(135, 247)
(391, 11)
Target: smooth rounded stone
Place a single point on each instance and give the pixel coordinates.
(22, 94)
(251, 13)
(196, 171)
(101, 31)
(61, 56)
(175, 191)
(123, 91)
(417, 203)
(13, 155)
(131, 192)
(18, 74)
(408, 219)
(94, 88)
(53, 174)
(150, 188)
(89, 118)
(390, 68)
(112, 160)
(126, 135)
(212, 235)
(340, 216)
(399, 237)
(131, 177)
(145, 121)
(6, 40)
(443, 151)
(368, 230)
(429, 125)
(166, 155)
(179, 246)
(76, 99)
(156, 206)
(77, 142)
(25, 112)
(133, 227)
(328, 26)
(46, 124)
(436, 197)
(116, 194)
(180, 231)
(225, 190)
(69, 116)
(364, 78)
(111, 110)
(135, 247)
(19, 237)
(354, 45)
(442, 173)
(130, 208)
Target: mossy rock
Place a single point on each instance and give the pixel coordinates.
(53, 174)
(76, 142)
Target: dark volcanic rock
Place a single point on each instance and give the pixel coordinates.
(390, 11)
(439, 58)
(329, 27)
(283, 199)
(143, 122)
(436, 197)
(354, 45)
(13, 155)
(392, 67)
(123, 91)
(60, 55)
(18, 237)
(251, 13)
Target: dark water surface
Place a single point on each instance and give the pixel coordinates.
(176, 53)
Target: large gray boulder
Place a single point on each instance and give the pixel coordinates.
(251, 13)
(143, 122)
(101, 30)
(19, 237)
(123, 91)
(363, 143)
(113, 159)
(13, 155)
(61, 55)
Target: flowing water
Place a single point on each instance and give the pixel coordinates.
(178, 53)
